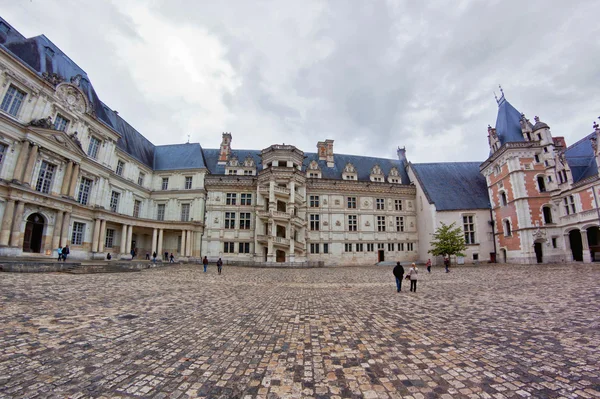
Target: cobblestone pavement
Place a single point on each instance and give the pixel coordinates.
(482, 332)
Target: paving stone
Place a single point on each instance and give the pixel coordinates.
(491, 331)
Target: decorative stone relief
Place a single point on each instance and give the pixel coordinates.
(338, 223)
(337, 201)
(394, 172)
(412, 224)
(349, 168)
(324, 201)
(366, 203)
(367, 223)
(249, 162)
(71, 97)
(218, 199)
(325, 223)
(313, 165)
(233, 162)
(53, 78)
(216, 221)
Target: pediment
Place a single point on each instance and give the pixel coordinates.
(61, 139)
(72, 98)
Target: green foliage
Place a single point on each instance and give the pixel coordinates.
(448, 240)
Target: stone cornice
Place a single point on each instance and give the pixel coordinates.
(332, 186)
(502, 150)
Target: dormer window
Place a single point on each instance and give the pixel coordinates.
(313, 170)
(394, 176)
(60, 123)
(377, 174)
(49, 52)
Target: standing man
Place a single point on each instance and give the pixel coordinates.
(413, 273)
(205, 263)
(428, 264)
(219, 265)
(399, 274)
(166, 256)
(154, 257)
(65, 252)
(447, 264)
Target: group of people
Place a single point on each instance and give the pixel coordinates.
(413, 274)
(219, 265)
(62, 253)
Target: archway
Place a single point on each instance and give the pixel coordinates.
(593, 236)
(34, 233)
(539, 256)
(503, 255)
(576, 245)
(279, 256)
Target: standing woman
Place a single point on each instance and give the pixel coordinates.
(413, 273)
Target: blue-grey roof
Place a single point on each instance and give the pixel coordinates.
(362, 164)
(178, 156)
(211, 158)
(508, 126)
(453, 185)
(581, 159)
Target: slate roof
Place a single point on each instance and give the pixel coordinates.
(178, 156)
(508, 126)
(453, 185)
(581, 159)
(362, 164)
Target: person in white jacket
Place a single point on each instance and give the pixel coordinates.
(413, 273)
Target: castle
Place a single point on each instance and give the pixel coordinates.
(73, 172)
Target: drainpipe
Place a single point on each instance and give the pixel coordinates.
(494, 234)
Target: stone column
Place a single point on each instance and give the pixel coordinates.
(183, 239)
(64, 190)
(102, 238)
(9, 211)
(292, 195)
(189, 243)
(129, 237)
(154, 237)
(96, 235)
(74, 178)
(30, 164)
(64, 236)
(159, 244)
(568, 251)
(587, 256)
(18, 173)
(124, 239)
(57, 228)
(15, 239)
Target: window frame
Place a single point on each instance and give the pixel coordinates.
(399, 223)
(315, 222)
(78, 234)
(141, 177)
(229, 220)
(245, 199)
(113, 205)
(44, 183)
(185, 212)
(7, 105)
(164, 184)
(381, 223)
(245, 220)
(380, 204)
(161, 210)
(109, 238)
(352, 222)
(469, 229)
(83, 196)
(188, 182)
(230, 198)
(137, 206)
(93, 147)
(314, 201)
(351, 202)
(120, 167)
(398, 204)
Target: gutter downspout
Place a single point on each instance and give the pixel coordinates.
(494, 233)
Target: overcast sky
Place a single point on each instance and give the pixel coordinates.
(371, 75)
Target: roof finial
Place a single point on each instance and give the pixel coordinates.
(496, 97)
(501, 91)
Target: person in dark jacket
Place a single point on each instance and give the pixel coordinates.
(447, 264)
(205, 263)
(219, 265)
(399, 274)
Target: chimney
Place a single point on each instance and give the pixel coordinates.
(401, 154)
(325, 151)
(225, 149)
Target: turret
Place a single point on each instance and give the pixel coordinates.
(225, 150)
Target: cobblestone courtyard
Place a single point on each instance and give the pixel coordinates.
(484, 332)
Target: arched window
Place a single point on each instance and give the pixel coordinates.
(503, 200)
(507, 230)
(541, 184)
(547, 214)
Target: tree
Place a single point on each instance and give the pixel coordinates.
(448, 240)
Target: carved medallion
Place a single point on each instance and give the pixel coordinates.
(71, 97)
(338, 223)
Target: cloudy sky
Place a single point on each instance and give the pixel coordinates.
(371, 75)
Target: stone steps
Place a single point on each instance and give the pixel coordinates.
(97, 268)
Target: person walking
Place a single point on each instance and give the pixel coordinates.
(205, 263)
(154, 257)
(447, 264)
(59, 253)
(428, 264)
(399, 274)
(65, 253)
(219, 265)
(413, 273)
(172, 258)
(166, 257)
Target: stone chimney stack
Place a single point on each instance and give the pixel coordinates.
(325, 151)
(401, 154)
(225, 149)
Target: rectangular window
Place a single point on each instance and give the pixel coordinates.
(409, 246)
(137, 204)
(120, 167)
(537, 158)
(554, 242)
(110, 236)
(228, 247)
(400, 247)
(185, 212)
(380, 204)
(398, 204)
(232, 172)
(93, 147)
(188, 182)
(60, 123)
(469, 229)
(165, 183)
(314, 248)
(569, 204)
(85, 186)
(244, 248)
(230, 220)
(114, 201)
(351, 202)
(475, 256)
(12, 100)
(160, 212)
(245, 220)
(247, 173)
(314, 222)
(370, 247)
(380, 245)
(380, 223)
(313, 201)
(44, 181)
(246, 199)
(399, 223)
(326, 248)
(352, 225)
(2, 152)
(141, 177)
(348, 247)
(391, 246)
(78, 230)
(231, 199)
(359, 247)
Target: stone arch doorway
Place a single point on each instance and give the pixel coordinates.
(503, 255)
(539, 255)
(576, 245)
(280, 256)
(34, 233)
(593, 236)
